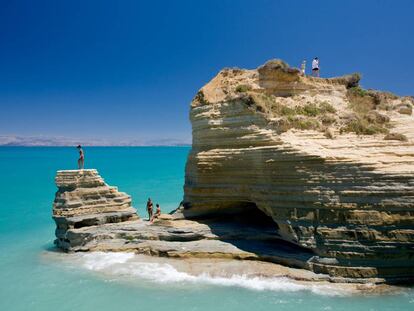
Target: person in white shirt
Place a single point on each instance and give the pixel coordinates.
(315, 67)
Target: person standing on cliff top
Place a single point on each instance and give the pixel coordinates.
(315, 67)
(81, 160)
(149, 209)
(303, 67)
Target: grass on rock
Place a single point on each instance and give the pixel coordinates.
(242, 88)
(366, 119)
(309, 116)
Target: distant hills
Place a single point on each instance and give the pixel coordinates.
(33, 141)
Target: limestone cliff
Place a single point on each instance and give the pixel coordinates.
(83, 199)
(304, 172)
(330, 163)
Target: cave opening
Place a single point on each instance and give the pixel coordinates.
(241, 216)
(247, 227)
(248, 214)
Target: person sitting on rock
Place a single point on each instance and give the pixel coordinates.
(157, 212)
(81, 160)
(315, 67)
(149, 209)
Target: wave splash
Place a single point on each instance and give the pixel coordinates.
(126, 264)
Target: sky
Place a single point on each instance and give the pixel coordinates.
(127, 70)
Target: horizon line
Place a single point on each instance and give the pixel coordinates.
(89, 146)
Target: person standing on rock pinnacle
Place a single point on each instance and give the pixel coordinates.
(81, 160)
(149, 209)
(315, 67)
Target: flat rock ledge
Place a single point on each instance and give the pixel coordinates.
(211, 239)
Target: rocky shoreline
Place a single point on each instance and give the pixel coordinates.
(134, 268)
(265, 182)
(249, 237)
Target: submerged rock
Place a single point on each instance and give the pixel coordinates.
(83, 199)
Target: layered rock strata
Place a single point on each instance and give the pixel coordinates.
(347, 198)
(282, 170)
(83, 199)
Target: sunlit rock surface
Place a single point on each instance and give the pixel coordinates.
(304, 172)
(347, 197)
(83, 199)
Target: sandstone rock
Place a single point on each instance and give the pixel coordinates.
(405, 109)
(265, 182)
(344, 199)
(83, 199)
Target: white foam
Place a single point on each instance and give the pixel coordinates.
(125, 264)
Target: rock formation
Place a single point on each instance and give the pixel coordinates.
(83, 199)
(310, 153)
(305, 172)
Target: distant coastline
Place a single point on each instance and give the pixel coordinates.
(56, 141)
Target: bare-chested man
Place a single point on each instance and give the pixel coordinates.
(149, 209)
(81, 160)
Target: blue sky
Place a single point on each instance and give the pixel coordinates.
(127, 70)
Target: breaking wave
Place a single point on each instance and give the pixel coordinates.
(126, 264)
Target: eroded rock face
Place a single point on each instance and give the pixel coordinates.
(264, 181)
(348, 198)
(83, 199)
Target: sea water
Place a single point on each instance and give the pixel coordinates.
(34, 277)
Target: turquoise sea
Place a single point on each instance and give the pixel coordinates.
(32, 278)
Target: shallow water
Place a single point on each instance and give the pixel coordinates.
(32, 280)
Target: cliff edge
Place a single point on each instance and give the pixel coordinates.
(303, 172)
(331, 164)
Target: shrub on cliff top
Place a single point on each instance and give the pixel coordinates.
(278, 70)
(357, 91)
(326, 107)
(243, 88)
(297, 122)
(313, 109)
(274, 64)
(367, 120)
(361, 126)
(349, 81)
(360, 98)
